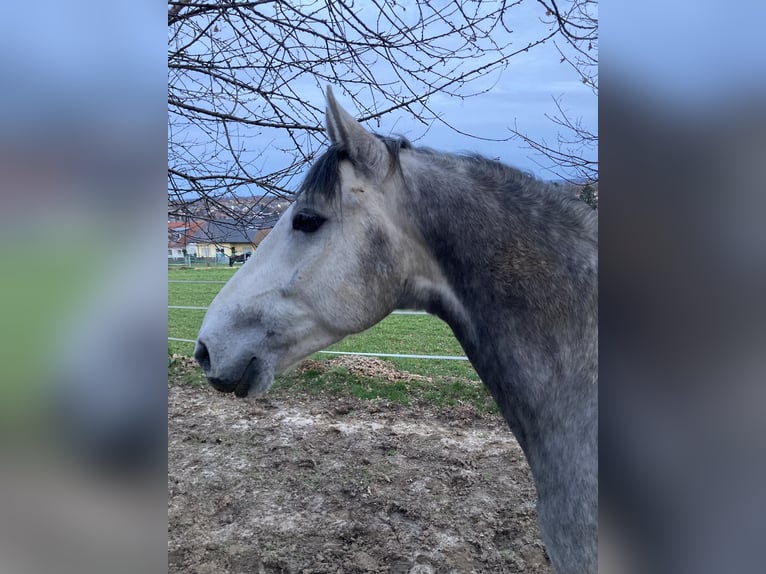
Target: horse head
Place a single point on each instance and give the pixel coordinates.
(333, 265)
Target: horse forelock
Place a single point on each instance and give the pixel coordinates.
(323, 179)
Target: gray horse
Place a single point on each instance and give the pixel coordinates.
(509, 262)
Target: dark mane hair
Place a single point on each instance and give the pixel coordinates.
(323, 179)
(486, 176)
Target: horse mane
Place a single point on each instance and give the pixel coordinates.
(322, 182)
(509, 183)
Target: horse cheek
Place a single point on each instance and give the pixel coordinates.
(379, 273)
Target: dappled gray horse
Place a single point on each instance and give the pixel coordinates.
(509, 262)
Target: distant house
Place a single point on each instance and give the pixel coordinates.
(181, 238)
(227, 238)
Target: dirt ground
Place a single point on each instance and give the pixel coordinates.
(286, 484)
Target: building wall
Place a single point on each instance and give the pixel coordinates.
(205, 250)
(209, 249)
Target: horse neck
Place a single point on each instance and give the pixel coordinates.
(518, 270)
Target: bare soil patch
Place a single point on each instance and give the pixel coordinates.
(297, 485)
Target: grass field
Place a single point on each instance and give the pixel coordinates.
(399, 334)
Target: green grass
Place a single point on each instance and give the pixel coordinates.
(185, 371)
(201, 294)
(202, 273)
(452, 382)
(184, 323)
(339, 382)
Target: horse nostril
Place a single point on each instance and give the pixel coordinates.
(202, 356)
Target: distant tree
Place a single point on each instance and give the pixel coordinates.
(239, 71)
(589, 195)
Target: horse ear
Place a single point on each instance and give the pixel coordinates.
(364, 149)
(330, 122)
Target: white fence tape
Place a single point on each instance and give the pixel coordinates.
(397, 356)
(193, 281)
(195, 308)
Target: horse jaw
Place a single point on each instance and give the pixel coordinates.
(257, 378)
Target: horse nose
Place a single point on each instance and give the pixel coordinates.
(203, 356)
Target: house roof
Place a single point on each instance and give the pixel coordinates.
(180, 233)
(230, 231)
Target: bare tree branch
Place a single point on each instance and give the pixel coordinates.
(239, 72)
(578, 26)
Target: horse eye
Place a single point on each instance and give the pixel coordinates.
(307, 221)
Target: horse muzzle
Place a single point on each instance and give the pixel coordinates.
(257, 374)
